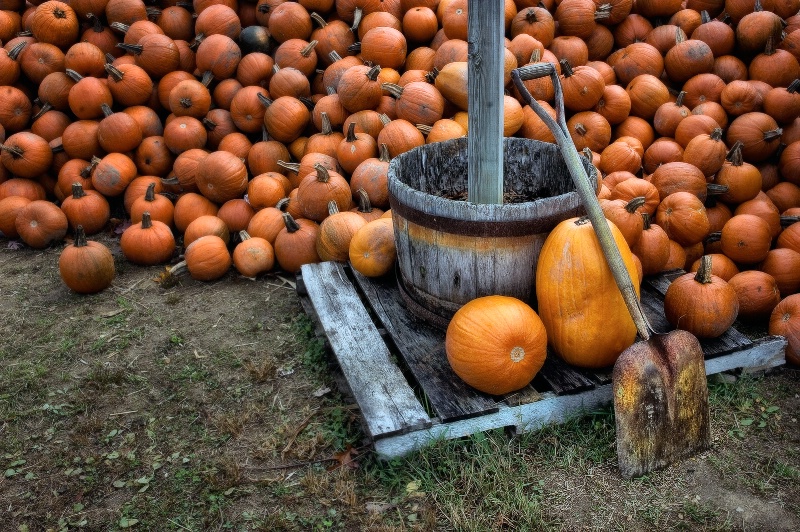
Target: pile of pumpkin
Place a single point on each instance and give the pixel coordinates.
(257, 132)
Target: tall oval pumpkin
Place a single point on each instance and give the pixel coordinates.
(587, 322)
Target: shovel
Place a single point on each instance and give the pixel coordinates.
(659, 383)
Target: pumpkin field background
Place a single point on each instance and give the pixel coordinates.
(175, 404)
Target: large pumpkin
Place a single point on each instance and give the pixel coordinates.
(496, 344)
(587, 322)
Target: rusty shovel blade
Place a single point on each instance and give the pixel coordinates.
(660, 403)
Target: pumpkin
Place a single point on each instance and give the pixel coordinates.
(207, 258)
(746, 239)
(683, 217)
(26, 154)
(578, 296)
(9, 209)
(335, 233)
(785, 321)
(496, 344)
(86, 208)
(86, 267)
(701, 303)
(253, 255)
(41, 223)
(206, 225)
(296, 243)
(148, 242)
(221, 176)
(757, 293)
(372, 248)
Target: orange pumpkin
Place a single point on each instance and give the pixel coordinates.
(372, 248)
(785, 321)
(578, 296)
(496, 344)
(207, 258)
(86, 267)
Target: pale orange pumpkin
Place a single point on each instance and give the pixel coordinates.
(496, 344)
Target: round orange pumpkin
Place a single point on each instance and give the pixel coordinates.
(496, 344)
(784, 322)
(372, 248)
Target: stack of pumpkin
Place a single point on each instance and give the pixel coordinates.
(258, 132)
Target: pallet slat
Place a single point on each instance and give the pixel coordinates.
(422, 347)
(386, 400)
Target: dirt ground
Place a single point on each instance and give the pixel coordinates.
(181, 405)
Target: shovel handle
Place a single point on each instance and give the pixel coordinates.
(585, 190)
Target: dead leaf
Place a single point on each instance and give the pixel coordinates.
(319, 392)
(345, 458)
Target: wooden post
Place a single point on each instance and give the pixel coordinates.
(485, 85)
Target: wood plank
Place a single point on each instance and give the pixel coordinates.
(563, 378)
(764, 353)
(422, 348)
(379, 387)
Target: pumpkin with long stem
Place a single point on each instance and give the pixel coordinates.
(158, 205)
(86, 267)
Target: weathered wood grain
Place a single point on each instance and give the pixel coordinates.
(387, 401)
(486, 27)
(422, 348)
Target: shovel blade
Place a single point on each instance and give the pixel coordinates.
(660, 403)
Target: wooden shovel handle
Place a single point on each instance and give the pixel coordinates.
(585, 190)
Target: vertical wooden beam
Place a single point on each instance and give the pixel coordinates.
(485, 85)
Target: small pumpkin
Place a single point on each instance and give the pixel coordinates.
(296, 243)
(86, 208)
(207, 258)
(372, 249)
(86, 267)
(496, 344)
(757, 292)
(253, 255)
(785, 321)
(148, 242)
(701, 303)
(41, 223)
(335, 233)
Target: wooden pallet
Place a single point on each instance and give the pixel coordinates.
(397, 371)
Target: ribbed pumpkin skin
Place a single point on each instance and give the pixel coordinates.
(785, 321)
(207, 258)
(586, 320)
(86, 267)
(496, 344)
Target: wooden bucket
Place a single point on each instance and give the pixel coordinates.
(451, 251)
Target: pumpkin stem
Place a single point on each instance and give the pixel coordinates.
(334, 56)
(393, 89)
(14, 52)
(323, 175)
(135, 49)
(793, 86)
(357, 14)
(152, 12)
(209, 124)
(705, 18)
(364, 205)
(45, 107)
(373, 72)
(97, 24)
(679, 99)
(758, 6)
(307, 49)
(244, 235)
(582, 220)
(59, 13)
(170, 181)
(195, 44)
(207, 78)
(106, 109)
(680, 36)
(333, 208)
(308, 102)
(264, 134)
(580, 128)
(290, 223)
(147, 222)
(424, 129)
(15, 151)
(178, 268)
(715, 189)
(57, 148)
(73, 75)
(716, 236)
(566, 68)
(282, 204)
(110, 57)
(355, 48)
(385, 119)
(646, 219)
(86, 171)
(431, 76)
(318, 19)
(115, 73)
(634, 204)
(716, 134)
(80, 237)
(602, 12)
(772, 134)
(150, 193)
(326, 128)
(77, 191)
(185, 102)
(351, 133)
(735, 154)
(536, 56)
(266, 102)
(530, 16)
(292, 167)
(703, 274)
(384, 153)
(119, 26)
(769, 48)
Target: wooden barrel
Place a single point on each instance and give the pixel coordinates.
(451, 251)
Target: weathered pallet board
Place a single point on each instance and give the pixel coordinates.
(351, 312)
